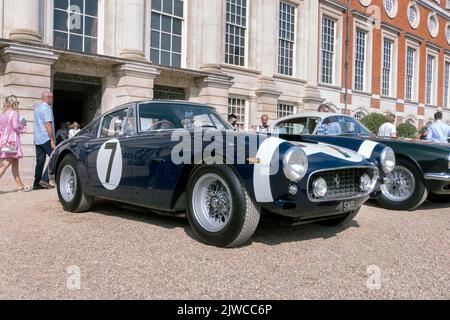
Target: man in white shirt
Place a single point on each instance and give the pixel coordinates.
(388, 129)
(438, 131)
(264, 127)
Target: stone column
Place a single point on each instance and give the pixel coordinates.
(213, 90)
(21, 20)
(130, 29)
(26, 73)
(264, 37)
(212, 33)
(312, 97)
(267, 98)
(135, 82)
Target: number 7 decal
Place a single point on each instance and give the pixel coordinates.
(113, 147)
(109, 164)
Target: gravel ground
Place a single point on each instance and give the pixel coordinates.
(125, 255)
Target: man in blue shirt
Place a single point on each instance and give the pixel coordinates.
(438, 131)
(44, 139)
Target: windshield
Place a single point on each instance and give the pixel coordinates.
(334, 125)
(160, 116)
(305, 125)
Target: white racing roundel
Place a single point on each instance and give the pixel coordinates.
(109, 164)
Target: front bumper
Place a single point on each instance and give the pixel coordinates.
(310, 211)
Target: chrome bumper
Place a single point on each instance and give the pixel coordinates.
(437, 176)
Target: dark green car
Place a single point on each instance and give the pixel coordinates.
(422, 168)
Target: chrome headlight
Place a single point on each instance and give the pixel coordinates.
(365, 183)
(320, 188)
(295, 164)
(388, 160)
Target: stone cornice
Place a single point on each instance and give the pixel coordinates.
(414, 37)
(433, 46)
(391, 28)
(434, 7)
(139, 70)
(28, 54)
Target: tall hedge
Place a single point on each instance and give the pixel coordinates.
(373, 121)
(406, 130)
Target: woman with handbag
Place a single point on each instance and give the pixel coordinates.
(11, 128)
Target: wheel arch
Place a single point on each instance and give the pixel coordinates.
(179, 198)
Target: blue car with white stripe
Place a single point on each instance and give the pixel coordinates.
(175, 158)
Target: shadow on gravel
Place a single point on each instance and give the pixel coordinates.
(275, 234)
(269, 232)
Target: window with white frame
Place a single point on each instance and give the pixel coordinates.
(410, 72)
(236, 31)
(238, 108)
(166, 32)
(360, 59)
(430, 80)
(286, 42)
(386, 85)
(285, 110)
(447, 85)
(391, 7)
(433, 25)
(75, 25)
(413, 15)
(328, 49)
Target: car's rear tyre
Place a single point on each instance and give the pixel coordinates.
(441, 198)
(68, 184)
(341, 221)
(404, 188)
(220, 211)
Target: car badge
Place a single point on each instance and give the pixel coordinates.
(337, 181)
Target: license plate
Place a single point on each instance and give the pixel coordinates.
(347, 206)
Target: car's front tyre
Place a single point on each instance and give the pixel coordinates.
(68, 184)
(220, 211)
(403, 188)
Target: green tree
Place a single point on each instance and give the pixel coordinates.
(406, 130)
(373, 121)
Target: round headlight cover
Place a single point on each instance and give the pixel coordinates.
(295, 164)
(320, 187)
(365, 183)
(388, 159)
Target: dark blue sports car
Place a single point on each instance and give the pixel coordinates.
(181, 157)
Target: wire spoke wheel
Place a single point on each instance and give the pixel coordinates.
(212, 202)
(399, 184)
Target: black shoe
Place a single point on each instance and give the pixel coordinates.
(38, 188)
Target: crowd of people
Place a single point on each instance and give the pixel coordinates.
(12, 127)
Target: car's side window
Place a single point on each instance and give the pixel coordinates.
(113, 124)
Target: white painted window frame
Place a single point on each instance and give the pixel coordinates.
(385, 34)
(367, 27)
(337, 16)
(415, 88)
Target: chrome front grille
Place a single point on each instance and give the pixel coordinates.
(342, 184)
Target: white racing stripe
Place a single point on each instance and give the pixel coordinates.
(334, 151)
(367, 148)
(261, 173)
